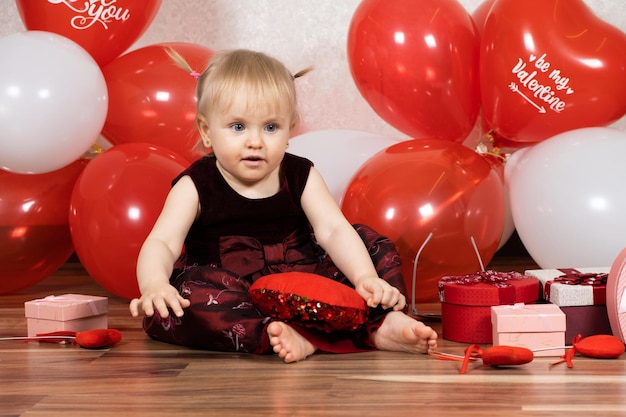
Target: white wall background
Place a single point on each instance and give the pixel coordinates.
(298, 32)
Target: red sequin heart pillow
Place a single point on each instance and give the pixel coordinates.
(309, 300)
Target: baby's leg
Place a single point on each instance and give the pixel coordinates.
(401, 333)
(290, 345)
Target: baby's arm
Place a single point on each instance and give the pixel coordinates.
(161, 249)
(343, 244)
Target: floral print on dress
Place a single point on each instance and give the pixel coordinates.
(234, 334)
(244, 305)
(170, 323)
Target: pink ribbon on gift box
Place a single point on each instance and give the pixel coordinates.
(575, 277)
(62, 299)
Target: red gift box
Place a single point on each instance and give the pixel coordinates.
(586, 321)
(466, 302)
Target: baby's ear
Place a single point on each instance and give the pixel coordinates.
(203, 127)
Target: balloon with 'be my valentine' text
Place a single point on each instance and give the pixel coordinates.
(550, 66)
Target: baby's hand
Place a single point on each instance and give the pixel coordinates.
(159, 298)
(376, 291)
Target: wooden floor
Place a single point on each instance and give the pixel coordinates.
(147, 378)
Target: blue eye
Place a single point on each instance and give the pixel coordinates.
(271, 127)
(237, 127)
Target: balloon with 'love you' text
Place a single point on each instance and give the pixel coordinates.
(104, 28)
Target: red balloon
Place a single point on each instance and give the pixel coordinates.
(34, 232)
(550, 66)
(114, 205)
(418, 187)
(416, 64)
(105, 29)
(152, 100)
(479, 15)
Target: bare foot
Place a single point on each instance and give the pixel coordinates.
(401, 333)
(288, 343)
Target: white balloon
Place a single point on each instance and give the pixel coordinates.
(509, 225)
(338, 154)
(568, 200)
(53, 102)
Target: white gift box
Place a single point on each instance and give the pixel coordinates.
(566, 295)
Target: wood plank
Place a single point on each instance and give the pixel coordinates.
(143, 377)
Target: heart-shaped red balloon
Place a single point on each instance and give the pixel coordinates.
(416, 64)
(104, 28)
(550, 66)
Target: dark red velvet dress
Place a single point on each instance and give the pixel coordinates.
(235, 241)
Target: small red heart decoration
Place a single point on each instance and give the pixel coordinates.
(98, 338)
(507, 355)
(601, 346)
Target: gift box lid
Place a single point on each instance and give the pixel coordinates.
(572, 286)
(545, 275)
(66, 307)
(565, 295)
(489, 288)
(527, 318)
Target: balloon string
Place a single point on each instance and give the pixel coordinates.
(486, 146)
(480, 260)
(93, 151)
(415, 262)
(37, 338)
(430, 235)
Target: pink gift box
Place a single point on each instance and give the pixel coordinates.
(533, 326)
(68, 312)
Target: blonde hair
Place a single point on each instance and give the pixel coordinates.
(267, 82)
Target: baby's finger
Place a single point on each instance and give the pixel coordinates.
(400, 303)
(160, 305)
(176, 303)
(389, 298)
(376, 297)
(134, 307)
(183, 301)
